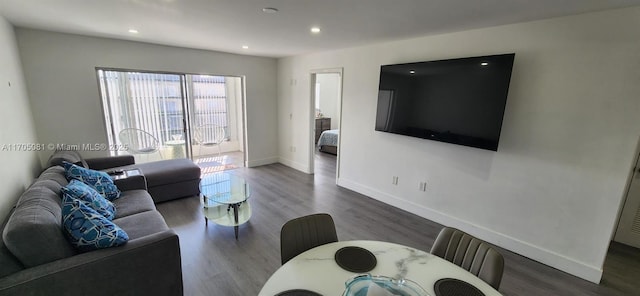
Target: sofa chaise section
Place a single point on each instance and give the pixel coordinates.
(165, 179)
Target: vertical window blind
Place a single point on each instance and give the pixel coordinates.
(210, 102)
(154, 102)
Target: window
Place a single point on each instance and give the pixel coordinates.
(156, 103)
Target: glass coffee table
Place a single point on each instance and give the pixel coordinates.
(224, 200)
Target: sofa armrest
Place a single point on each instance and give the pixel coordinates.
(102, 163)
(149, 265)
(131, 183)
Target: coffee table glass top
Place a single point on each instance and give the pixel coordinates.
(224, 200)
(223, 188)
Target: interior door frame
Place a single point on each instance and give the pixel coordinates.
(312, 116)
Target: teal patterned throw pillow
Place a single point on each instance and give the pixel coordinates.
(87, 229)
(100, 181)
(91, 197)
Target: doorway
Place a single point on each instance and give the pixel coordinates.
(155, 116)
(326, 115)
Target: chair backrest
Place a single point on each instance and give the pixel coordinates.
(138, 141)
(304, 233)
(470, 253)
(209, 134)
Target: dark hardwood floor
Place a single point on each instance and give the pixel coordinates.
(214, 263)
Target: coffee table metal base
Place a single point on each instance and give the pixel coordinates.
(228, 215)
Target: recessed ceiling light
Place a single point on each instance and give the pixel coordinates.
(412, 72)
(484, 64)
(269, 10)
(133, 31)
(315, 30)
(245, 47)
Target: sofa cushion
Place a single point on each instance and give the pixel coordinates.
(142, 224)
(101, 181)
(91, 197)
(87, 229)
(71, 156)
(55, 173)
(37, 222)
(49, 184)
(133, 202)
(168, 171)
(8, 263)
(167, 192)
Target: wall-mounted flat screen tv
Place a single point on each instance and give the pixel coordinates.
(459, 101)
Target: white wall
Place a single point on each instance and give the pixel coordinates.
(61, 79)
(18, 167)
(329, 96)
(553, 189)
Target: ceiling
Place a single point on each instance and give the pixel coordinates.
(227, 25)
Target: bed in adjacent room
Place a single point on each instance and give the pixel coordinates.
(328, 141)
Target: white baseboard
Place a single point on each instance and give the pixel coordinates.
(295, 165)
(259, 162)
(547, 257)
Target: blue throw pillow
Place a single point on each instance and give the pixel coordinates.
(87, 229)
(91, 197)
(100, 181)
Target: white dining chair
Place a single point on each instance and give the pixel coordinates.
(137, 141)
(209, 135)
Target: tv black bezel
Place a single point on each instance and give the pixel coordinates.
(468, 141)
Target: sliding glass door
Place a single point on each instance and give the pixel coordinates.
(215, 121)
(145, 113)
(167, 115)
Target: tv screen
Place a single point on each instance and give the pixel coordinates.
(459, 101)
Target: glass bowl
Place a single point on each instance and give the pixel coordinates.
(361, 285)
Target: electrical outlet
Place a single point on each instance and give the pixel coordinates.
(394, 180)
(423, 186)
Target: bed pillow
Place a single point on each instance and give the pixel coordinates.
(91, 197)
(86, 229)
(100, 181)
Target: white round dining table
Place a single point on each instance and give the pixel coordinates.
(316, 269)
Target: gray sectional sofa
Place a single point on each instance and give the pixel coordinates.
(166, 179)
(37, 259)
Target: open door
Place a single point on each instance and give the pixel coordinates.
(326, 115)
(216, 126)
